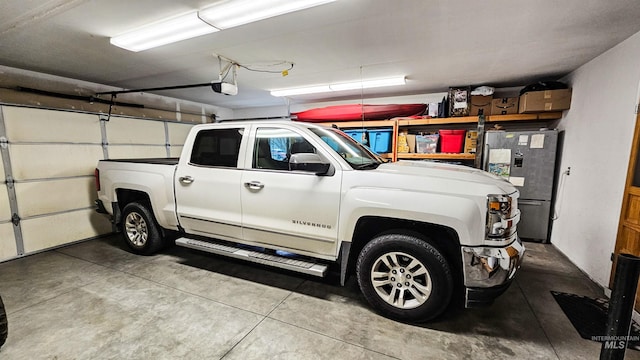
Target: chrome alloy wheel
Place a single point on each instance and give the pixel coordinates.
(136, 228)
(401, 280)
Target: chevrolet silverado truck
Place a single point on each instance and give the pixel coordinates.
(305, 197)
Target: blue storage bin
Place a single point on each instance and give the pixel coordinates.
(360, 135)
(380, 140)
(334, 145)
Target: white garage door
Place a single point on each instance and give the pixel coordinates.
(135, 139)
(177, 134)
(8, 247)
(51, 156)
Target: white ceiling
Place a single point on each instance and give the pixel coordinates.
(435, 43)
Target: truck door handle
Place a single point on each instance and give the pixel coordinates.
(186, 179)
(254, 185)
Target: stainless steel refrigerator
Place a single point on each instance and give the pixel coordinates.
(528, 160)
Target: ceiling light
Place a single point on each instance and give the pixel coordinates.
(222, 15)
(227, 14)
(364, 84)
(163, 32)
(302, 90)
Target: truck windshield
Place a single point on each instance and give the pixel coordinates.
(356, 154)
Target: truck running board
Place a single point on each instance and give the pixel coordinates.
(282, 262)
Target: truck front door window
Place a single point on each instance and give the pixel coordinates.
(358, 156)
(273, 147)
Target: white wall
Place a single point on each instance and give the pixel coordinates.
(598, 136)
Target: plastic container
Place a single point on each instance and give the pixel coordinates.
(360, 135)
(334, 145)
(451, 141)
(380, 140)
(426, 144)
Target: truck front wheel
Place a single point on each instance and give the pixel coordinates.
(404, 278)
(140, 229)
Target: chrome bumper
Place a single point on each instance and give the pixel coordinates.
(487, 267)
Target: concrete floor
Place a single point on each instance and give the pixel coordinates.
(95, 300)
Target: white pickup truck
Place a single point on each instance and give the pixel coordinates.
(304, 197)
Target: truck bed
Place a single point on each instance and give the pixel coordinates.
(160, 161)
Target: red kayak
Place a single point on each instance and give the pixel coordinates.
(356, 111)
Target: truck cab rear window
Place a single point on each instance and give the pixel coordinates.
(217, 147)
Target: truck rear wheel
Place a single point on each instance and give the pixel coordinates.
(4, 328)
(140, 229)
(404, 278)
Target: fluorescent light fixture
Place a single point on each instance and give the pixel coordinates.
(222, 15)
(302, 90)
(230, 13)
(364, 84)
(163, 32)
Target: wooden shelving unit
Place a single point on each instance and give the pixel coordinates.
(474, 119)
(525, 117)
(436, 156)
(397, 123)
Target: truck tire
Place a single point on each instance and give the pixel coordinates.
(140, 230)
(404, 278)
(4, 327)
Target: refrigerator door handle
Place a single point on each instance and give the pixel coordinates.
(529, 202)
(485, 156)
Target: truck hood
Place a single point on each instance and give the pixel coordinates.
(446, 172)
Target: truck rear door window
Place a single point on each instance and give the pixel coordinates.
(217, 147)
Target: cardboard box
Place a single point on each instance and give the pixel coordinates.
(470, 142)
(546, 100)
(459, 101)
(411, 141)
(402, 145)
(480, 103)
(504, 106)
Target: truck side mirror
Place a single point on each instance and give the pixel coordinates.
(309, 162)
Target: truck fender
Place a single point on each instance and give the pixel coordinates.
(162, 202)
(463, 215)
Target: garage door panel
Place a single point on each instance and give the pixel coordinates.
(135, 131)
(5, 209)
(49, 231)
(178, 133)
(53, 160)
(176, 150)
(45, 197)
(8, 247)
(37, 125)
(132, 151)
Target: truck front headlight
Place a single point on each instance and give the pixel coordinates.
(499, 223)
